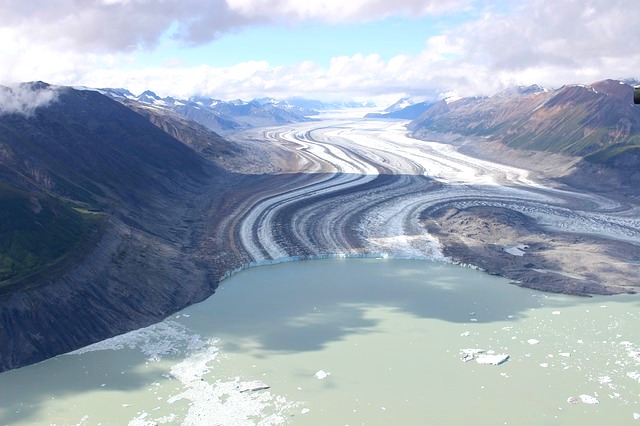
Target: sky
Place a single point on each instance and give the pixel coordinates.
(377, 50)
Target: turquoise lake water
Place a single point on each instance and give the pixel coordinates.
(351, 342)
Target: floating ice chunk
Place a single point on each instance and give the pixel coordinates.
(572, 400)
(636, 416)
(588, 399)
(321, 375)
(473, 319)
(469, 354)
(565, 354)
(605, 379)
(305, 410)
(533, 341)
(482, 357)
(174, 398)
(494, 359)
(555, 312)
(465, 334)
(544, 365)
(141, 420)
(634, 375)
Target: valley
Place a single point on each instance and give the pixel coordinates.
(175, 208)
(353, 187)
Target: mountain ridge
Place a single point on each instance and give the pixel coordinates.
(573, 120)
(101, 211)
(595, 127)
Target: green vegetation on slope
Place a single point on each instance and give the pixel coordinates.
(37, 232)
(618, 156)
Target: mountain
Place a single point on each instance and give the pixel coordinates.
(400, 104)
(315, 105)
(403, 109)
(596, 126)
(298, 107)
(214, 114)
(86, 148)
(98, 213)
(573, 120)
(201, 139)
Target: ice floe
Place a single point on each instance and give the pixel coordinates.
(585, 399)
(321, 375)
(588, 399)
(482, 356)
(221, 402)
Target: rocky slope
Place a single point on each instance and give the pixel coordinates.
(573, 120)
(100, 212)
(597, 127)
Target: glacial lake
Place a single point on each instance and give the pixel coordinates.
(352, 342)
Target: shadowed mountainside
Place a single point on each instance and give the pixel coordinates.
(100, 210)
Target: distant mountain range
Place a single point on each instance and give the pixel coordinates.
(231, 116)
(405, 109)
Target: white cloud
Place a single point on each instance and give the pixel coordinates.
(25, 98)
(127, 25)
(340, 11)
(549, 42)
(554, 42)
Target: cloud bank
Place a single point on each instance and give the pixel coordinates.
(548, 42)
(24, 99)
(125, 25)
